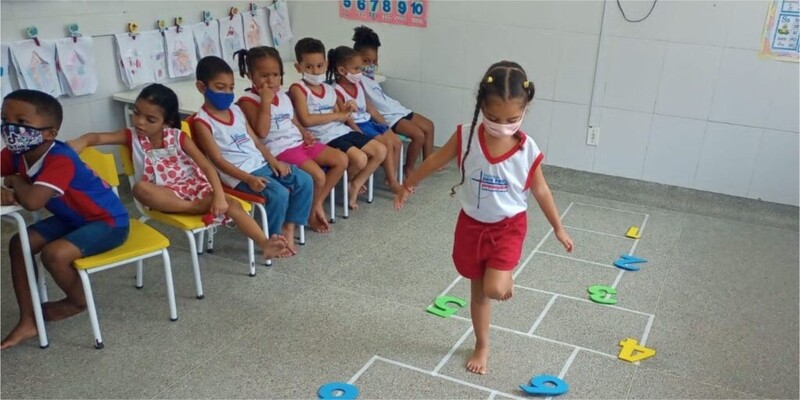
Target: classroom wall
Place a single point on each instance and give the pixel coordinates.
(681, 98)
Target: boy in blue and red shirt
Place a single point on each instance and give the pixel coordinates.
(41, 172)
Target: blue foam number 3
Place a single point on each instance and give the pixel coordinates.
(539, 386)
(329, 391)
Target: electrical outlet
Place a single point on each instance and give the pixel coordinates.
(593, 136)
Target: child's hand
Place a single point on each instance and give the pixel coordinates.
(256, 183)
(220, 205)
(351, 106)
(266, 94)
(308, 138)
(77, 145)
(401, 197)
(7, 197)
(565, 240)
(343, 116)
(11, 180)
(281, 168)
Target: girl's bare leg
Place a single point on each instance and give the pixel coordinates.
(495, 285)
(164, 200)
(247, 225)
(418, 140)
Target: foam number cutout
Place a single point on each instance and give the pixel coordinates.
(632, 351)
(441, 306)
(546, 385)
(602, 294)
(633, 233)
(627, 262)
(337, 391)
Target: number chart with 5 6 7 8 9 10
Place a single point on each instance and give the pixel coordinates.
(398, 12)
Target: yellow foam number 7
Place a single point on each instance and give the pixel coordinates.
(602, 294)
(441, 306)
(632, 351)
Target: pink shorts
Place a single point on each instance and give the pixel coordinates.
(479, 245)
(300, 154)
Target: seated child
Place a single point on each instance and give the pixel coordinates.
(41, 172)
(402, 120)
(315, 104)
(172, 175)
(244, 163)
(345, 67)
(270, 113)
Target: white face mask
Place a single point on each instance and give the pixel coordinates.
(314, 79)
(502, 130)
(354, 78)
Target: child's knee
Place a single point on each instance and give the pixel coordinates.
(318, 176)
(358, 159)
(340, 160)
(54, 255)
(379, 150)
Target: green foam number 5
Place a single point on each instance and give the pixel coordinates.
(602, 294)
(441, 306)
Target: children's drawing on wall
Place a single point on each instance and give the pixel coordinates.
(77, 61)
(158, 56)
(5, 81)
(134, 60)
(36, 65)
(231, 38)
(206, 38)
(182, 58)
(279, 23)
(256, 30)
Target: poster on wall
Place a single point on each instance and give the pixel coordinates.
(134, 60)
(782, 31)
(77, 62)
(231, 37)
(181, 57)
(36, 66)
(279, 23)
(206, 37)
(397, 12)
(158, 56)
(256, 28)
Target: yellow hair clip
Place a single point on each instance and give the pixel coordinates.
(489, 79)
(526, 84)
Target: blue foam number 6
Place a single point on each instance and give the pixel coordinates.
(539, 386)
(329, 391)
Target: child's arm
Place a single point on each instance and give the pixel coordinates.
(33, 197)
(308, 138)
(341, 105)
(220, 205)
(307, 119)
(7, 197)
(436, 161)
(375, 114)
(541, 192)
(97, 139)
(278, 167)
(259, 116)
(206, 141)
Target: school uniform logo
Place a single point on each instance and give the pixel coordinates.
(484, 185)
(278, 118)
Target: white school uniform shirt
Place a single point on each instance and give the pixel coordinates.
(283, 133)
(496, 187)
(323, 104)
(391, 109)
(361, 114)
(235, 144)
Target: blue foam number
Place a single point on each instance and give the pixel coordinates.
(329, 391)
(539, 386)
(627, 262)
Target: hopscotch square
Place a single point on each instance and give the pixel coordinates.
(387, 380)
(589, 246)
(602, 219)
(517, 314)
(513, 359)
(593, 326)
(565, 276)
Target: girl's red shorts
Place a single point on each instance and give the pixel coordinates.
(479, 245)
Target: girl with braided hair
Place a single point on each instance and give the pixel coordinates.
(499, 164)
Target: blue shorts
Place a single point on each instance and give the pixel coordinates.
(92, 238)
(372, 128)
(408, 117)
(348, 140)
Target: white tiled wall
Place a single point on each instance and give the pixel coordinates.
(681, 98)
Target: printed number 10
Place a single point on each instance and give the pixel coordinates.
(416, 8)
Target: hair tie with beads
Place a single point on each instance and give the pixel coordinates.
(489, 79)
(526, 84)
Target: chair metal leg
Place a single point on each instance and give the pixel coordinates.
(400, 163)
(210, 247)
(251, 257)
(302, 235)
(264, 225)
(90, 306)
(173, 309)
(332, 202)
(41, 283)
(201, 238)
(346, 195)
(139, 274)
(370, 188)
(198, 283)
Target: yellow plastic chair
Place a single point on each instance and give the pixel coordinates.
(143, 242)
(192, 225)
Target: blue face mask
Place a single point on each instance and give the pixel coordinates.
(20, 138)
(220, 100)
(369, 70)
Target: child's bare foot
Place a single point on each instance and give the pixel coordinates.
(273, 246)
(396, 188)
(319, 222)
(23, 331)
(58, 310)
(353, 194)
(508, 295)
(286, 253)
(477, 362)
